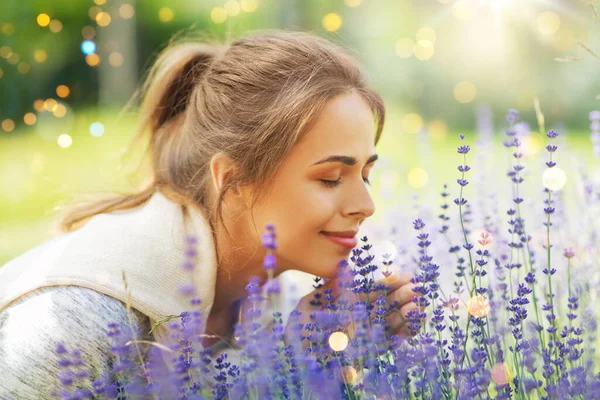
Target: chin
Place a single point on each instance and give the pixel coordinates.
(330, 271)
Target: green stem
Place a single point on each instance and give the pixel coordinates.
(462, 225)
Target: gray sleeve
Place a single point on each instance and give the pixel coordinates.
(31, 328)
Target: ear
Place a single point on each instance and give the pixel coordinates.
(222, 168)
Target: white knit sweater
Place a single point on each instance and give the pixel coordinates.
(45, 294)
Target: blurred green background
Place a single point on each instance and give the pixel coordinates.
(67, 69)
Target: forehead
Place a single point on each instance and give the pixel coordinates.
(346, 126)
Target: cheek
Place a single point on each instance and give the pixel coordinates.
(299, 212)
(307, 207)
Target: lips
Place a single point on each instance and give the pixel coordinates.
(346, 239)
(346, 234)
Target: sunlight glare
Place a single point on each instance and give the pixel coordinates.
(497, 4)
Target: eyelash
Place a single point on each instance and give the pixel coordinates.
(332, 184)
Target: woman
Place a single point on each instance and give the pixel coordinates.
(277, 127)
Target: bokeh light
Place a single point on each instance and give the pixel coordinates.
(55, 26)
(14, 58)
(427, 34)
(50, 104)
(501, 374)
(249, 5)
(232, 7)
(438, 129)
(352, 3)
(218, 15)
(92, 59)
(126, 11)
(115, 59)
(1, 73)
(29, 118)
(412, 123)
(8, 125)
(60, 110)
(63, 91)
(5, 51)
(349, 375)
(38, 105)
(332, 22)
(103, 19)
(40, 55)
(417, 178)
(43, 19)
(88, 47)
(338, 341)
(23, 68)
(548, 23)
(93, 12)
(97, 129)
(424, 50)
(8, 29)
(100, 2)
(89, 32)
(165, 14)
(531, 145)
(65, 140)
(478, 306)
(465, 92)
(554, 178)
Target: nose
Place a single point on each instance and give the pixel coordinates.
(360, 203)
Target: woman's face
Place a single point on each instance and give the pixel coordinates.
(321, 187)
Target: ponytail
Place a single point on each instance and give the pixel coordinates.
(165, 92)
(171, 81)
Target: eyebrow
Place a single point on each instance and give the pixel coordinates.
(345, 160)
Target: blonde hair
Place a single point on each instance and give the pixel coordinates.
(252, 100)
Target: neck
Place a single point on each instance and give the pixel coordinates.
(238, 259)
(233, 274)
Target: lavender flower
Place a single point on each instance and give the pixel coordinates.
(443, 356)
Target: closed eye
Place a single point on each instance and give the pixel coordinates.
(337, 182)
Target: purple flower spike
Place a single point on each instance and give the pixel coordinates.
(569, 253)
(513, 116)
(462, 136)
(61, 349)
(552, 134)
(268, 238)
(419, 224)
(464, 149)
(187, 289)
(595, 115)
(270, 261)
(273, 287)
(253, 289)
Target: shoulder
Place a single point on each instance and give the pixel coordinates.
(32, 327)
